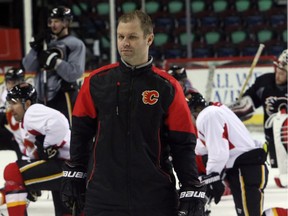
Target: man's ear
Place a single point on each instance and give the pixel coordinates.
(66, 23)
(27, 104)
(150, 39)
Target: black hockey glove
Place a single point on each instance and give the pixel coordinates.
(47, 59)
(73, 188)
(192, 201)
(215, 186)
(50, 153)
(33, 195)
(38, 40)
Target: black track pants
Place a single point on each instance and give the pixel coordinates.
(247, 185)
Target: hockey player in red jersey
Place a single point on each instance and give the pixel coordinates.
(10, 131)
(46, 138)
(231, 153)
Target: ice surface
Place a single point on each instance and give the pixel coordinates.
(274, 196)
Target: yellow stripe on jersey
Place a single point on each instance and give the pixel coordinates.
(30, 165)
(243, 192)
(274, 210)
(17, 203)
(43, 179)
(262, 184)
(262, 177)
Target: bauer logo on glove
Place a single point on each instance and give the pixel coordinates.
(47, 59)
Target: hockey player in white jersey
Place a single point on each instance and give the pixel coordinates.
(231, 153)
(46, 137)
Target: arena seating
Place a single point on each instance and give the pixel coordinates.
(219, 27)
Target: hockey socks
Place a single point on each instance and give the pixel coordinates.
(15, 192)
(275, 212)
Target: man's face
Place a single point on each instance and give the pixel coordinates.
(57, 25)
(132, 46)
(280, 76)
(17, 109)
(195, 112)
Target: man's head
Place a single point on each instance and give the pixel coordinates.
(134, 37)
(178, 72)
(281, 68)
(14, 76)
(19, 98)
(59, 20)
(196, 103)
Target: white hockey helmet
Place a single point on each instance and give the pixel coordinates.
(282, 61)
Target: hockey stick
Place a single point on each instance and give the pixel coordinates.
(209, 85)
(44, 71)
(255, 60)
(74, 209)
(69, 107)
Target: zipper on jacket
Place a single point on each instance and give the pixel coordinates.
(129, 139)
(117, 97)
(94, 156)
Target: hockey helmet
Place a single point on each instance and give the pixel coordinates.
(22, 92)
(178, 72)
(282, 61)
(14, 74)
(61, 12)
(197, 101)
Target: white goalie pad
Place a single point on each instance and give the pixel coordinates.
(280, 131)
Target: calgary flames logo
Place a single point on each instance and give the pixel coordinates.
(150, 97)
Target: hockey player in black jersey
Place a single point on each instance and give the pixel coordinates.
(270, 92)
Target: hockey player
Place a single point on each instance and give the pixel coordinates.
(232, 153)
(180, 74)
(46, 136)
(270, 92)
(129, 108)
(60, 65)
(10, 131)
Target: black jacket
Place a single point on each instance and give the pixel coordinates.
(138, 117)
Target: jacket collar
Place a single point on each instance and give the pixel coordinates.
(136, 69)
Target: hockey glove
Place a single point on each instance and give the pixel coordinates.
(192, 201)
(50, 153)
(33, 195)
(215, 186)
(73, 188)
(38, 40)
(47, 59)
(243, 108)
